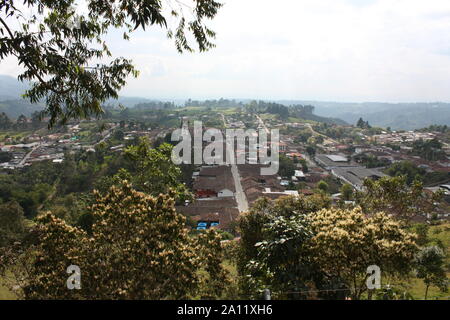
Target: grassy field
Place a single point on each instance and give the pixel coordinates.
(15, 135)
(5, 294)
(228, 111)
(416, 286)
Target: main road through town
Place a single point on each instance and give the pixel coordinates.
(22, 162)
(310, 162)
(240, 196)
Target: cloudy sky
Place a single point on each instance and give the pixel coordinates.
(337, 50)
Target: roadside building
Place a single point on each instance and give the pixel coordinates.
(214, 181)
(355, 176)
(330, 161)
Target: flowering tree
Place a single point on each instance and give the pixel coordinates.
(139, 249)
(394, 196)
(297, 249)
(430, 263)
(346, 242)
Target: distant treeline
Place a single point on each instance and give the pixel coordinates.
(155, 105)
(279, 109)
(295, 111)
(284, 112)
(436, 128)
(15, 108)
(21, 123)
(221, 103)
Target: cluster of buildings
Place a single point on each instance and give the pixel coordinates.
(347, 170)
(401, 137)
(214, 188)
(215, 203)
(51, 146)
(25, 154)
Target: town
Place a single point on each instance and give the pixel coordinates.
(223, 162)
(239, 151)
(313, 156)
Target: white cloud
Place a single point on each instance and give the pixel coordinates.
(366, 50)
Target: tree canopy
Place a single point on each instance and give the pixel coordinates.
(11, 222)
(431, 268)
(154, 172)
(138, 249)
(59, 43)
(301, 246)
(393, 195)
(346, 242)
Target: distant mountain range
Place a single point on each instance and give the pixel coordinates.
(15, 108)
(398, 116)
(325, 119)
(11, 88)
(11, 102)
(405, 116)
(129, 102)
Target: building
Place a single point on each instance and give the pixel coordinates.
(355, 176)
(254, 184)
(214, 181)
(217, 212)
(277, 194)
(299, 175)
(328, 162)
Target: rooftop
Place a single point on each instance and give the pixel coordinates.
(337, 158)
(356, 175)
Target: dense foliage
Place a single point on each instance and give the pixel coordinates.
(430, 268)
(298, 247)
(138, 249)
(395, 196)
(57, 44)
(429, 150)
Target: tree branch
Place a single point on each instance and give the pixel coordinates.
(35, 72)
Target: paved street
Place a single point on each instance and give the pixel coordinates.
(262, 123)
(240, 196)
(22, 162)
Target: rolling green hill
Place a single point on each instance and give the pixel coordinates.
(14, 108)
(398, 116)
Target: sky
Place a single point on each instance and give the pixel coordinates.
(332, 50)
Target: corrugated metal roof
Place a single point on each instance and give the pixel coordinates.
(337, 158)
